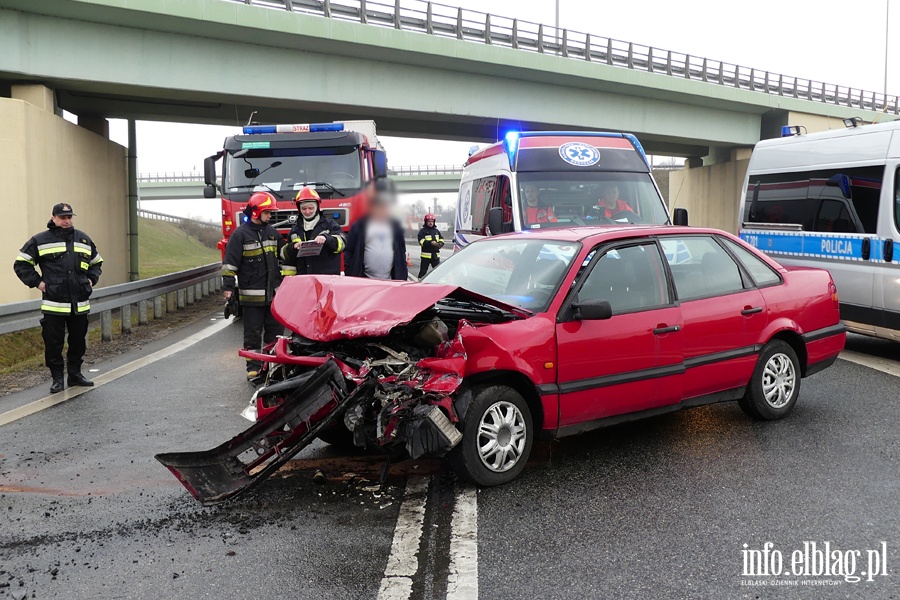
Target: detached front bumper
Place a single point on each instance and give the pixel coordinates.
(312, 401)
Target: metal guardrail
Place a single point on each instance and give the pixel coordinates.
(156, 216)
(447, 21)
(17, 316)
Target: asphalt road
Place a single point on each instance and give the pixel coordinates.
(656, 509)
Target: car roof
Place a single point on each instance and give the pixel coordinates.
(601, 233)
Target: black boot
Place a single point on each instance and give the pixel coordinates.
(57, 385)
(78, 379)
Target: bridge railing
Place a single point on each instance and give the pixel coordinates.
(410, 170)
(154, 297)
(157, 216)
(174, 177)
(443, 20)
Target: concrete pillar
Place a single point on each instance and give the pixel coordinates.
(204, 287)
(38, 95)
(190, 295)
(711, 193)
(131, 160)
(170, 302)
(125, 315)
(98, 125)
(218, 283)
(106, 325)
(198, 292)
(142, 312)
(158, 307)
(179, 298)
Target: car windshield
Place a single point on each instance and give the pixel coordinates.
(519, 272)
(564, 199)
(286, 170)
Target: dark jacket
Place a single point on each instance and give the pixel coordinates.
(354, 261)
(251, 255)
(429, 238)
(327, 262)
(70, 267)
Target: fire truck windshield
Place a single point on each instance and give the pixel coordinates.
(284, 171)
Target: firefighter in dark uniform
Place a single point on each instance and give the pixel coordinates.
(69, 269)
(313, 226)
(431, 242)
(251, 257)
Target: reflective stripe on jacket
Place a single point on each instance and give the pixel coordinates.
(67, 262)
(430, 239)
(250, 266)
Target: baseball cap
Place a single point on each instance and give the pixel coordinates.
(63, 210)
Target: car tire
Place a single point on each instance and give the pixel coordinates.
(500, 415)
(775, 384)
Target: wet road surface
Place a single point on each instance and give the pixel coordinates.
(655, 509)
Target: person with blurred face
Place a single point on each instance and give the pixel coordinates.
(69, 269)
(610, 204)
(534, 212)
(376, 247)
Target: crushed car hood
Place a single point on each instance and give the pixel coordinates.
(325, 308)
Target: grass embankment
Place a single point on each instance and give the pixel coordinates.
(166, 248)
(163, 248)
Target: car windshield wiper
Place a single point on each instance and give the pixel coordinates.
(333, 189)
(253, 185)
(480, 305)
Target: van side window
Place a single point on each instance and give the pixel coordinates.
(482, 194)
(897, 198)
(841, 200)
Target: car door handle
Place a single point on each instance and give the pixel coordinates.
(751, 310)
(663, 328)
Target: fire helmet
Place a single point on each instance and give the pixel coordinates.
(429, 217)
(307, 194)
(259, 202)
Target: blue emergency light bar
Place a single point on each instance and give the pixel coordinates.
(790, 130)
(296, 128)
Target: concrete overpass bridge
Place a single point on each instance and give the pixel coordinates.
(420, 179)
(419, 69)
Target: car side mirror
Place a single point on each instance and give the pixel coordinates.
(592, 310)
(680, 217)
(209, 191)
(209, 169)
(495, 220)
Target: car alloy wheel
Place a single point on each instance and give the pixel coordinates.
(775, 384)
(779, 380)
(501, 436)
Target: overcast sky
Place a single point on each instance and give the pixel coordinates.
(834, 41)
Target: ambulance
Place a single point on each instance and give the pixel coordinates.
(542, 179)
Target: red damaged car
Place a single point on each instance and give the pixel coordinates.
(554, 332)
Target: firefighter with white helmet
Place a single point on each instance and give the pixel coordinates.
(313, 226)
(250, 268)
(431, 242)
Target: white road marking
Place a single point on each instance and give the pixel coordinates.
(403, 562)
(60, 397)
(885, 365)
(462, 583)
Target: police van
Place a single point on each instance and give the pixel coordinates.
(830, 200)
(536, 180)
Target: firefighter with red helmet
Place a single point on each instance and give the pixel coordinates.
(250, 269)
(323, 255)
(431, 242)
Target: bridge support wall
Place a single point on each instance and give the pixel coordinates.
(711, 193)
(44, 159)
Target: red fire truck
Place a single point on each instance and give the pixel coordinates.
(338, 159)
